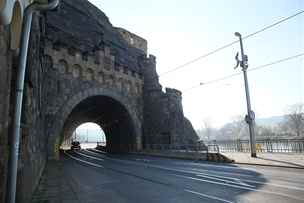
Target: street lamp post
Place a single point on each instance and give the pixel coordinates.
(250, 117)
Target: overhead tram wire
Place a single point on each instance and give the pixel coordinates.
(236, 74)
(232, 43)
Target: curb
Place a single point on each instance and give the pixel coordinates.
(167, 156)
(268, 165)
(211, 157)
(219, 162)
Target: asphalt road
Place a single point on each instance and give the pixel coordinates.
(100, 177)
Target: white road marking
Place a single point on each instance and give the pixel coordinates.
(240, 187)
(91, 157)
(253, 181)
(80, 160)
(219, 176)
(208, 196)
(143, 160)
(119, 160)
(248, 181)
(205, 164)
(200, 173)
(236, 181)
(185, 190)
(222, 172)
(275, 184)
(98, 151)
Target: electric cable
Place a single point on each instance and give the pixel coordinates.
(251, 69)
(232, 43)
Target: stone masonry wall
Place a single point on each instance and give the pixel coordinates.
(70, 73)
(5, 77)
(83, 52)
(75, 52)
(33, 145)
(164, 121)
(134, 40)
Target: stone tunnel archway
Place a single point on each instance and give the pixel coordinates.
(113, 112)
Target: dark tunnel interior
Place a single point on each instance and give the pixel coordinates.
(113, 118)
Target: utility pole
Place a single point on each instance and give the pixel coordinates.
(249, 118)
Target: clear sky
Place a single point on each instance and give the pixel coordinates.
(179, 31)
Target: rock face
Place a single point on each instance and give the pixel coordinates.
(81, 26)
(76, 55)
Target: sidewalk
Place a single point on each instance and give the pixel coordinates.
(54, 186)
(291, 160)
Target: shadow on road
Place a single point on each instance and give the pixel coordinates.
(173, 181)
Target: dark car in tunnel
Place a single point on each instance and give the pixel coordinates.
(75, 145)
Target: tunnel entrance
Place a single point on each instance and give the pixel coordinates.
(90, 135)
(110, 115)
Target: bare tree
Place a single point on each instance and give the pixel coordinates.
(295, 119)
(239, 127)
(263, 131)
(234, 130)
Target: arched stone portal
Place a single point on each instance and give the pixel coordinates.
(113, 112)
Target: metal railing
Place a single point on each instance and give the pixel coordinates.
(213, 148)
(262, 145)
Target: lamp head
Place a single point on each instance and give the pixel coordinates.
(237, 34)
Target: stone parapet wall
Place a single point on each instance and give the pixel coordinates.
(102, 68)
(133, 39)
(69, 73)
